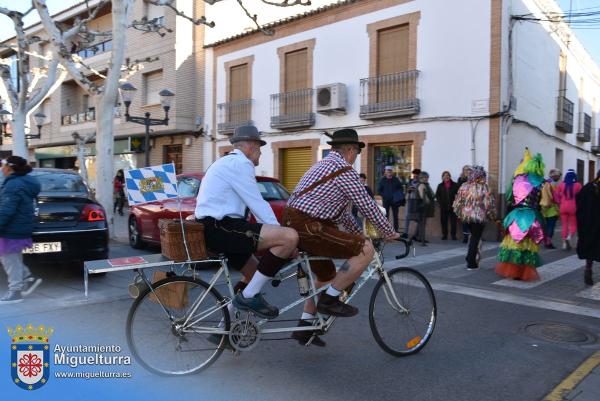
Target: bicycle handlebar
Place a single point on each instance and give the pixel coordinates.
(407, 245)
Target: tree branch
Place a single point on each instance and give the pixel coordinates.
(52, 80)
(254, 19)
(169, 4)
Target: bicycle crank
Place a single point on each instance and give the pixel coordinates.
(244, 335)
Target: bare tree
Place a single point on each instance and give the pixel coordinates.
(33, 84)
(80, 142)
(105, 94)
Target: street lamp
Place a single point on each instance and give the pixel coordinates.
(4, 117)
(39, 118)
(127, 93)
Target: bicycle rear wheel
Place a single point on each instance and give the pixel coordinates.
(402, 313)
(158, 335)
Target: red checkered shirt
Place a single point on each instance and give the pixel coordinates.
(331, 200)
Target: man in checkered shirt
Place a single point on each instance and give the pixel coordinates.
(320, 203)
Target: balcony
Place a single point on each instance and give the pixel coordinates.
(233, 115)
(83, 117)
(97, 48)
(596, 147)
(292, 109)
(392, 95)
(564, 116)
(584, 133)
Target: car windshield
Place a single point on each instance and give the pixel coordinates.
(60, 182)
(188, 186)
(271, 190)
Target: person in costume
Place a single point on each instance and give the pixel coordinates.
(565, 196)
(473, 205)
(550, 208)
(588, 226)
(518, 257)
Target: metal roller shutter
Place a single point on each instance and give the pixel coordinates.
(294, 163)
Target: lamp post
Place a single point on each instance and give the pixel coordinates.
(4, 117)
(127, 93)
(40, 119)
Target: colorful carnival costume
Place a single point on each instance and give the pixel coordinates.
(519, 251)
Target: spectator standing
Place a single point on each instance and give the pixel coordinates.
(464, 177)
(422, 206)
(119, 191)
(565, 196)
(550, 209)
(473, 205)
(392, 194)
(17, 202)
(445, 194)
(410, 188)
(588, 226)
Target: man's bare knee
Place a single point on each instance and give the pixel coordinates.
(290, 237)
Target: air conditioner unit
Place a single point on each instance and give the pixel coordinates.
(331, 99)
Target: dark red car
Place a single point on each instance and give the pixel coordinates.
(143, 219)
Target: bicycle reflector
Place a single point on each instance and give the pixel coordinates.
(92, 213)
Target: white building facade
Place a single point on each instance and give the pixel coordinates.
(425, 84)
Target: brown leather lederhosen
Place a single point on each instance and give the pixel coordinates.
(322, 237)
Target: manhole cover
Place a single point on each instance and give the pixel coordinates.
(559, 333)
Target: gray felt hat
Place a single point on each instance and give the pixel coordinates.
(246, 133)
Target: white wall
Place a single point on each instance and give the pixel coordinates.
(453, 60)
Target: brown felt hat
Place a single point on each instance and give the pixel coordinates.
(346, 135)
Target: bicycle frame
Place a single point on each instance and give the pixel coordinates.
(322, 323)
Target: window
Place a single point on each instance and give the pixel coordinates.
(392, 50)
(188, 186)
(271, 191)
(580, 170)
(60, 182)
(46, 109)
(558, 159)
(152, 84)
(238, 83)
(296, 70)
(173, 154)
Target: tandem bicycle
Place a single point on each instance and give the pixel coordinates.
(181, 324)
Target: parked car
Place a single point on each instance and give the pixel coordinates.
(70, 225)
(143, 219)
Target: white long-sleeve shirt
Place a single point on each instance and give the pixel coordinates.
(228, 187)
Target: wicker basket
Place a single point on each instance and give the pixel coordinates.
(171, 240)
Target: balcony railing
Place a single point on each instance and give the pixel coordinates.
(564, 116)
(391, 95)
(85, 116)
(584, 132)
(233, 115)
(97, 48)
(292, 109)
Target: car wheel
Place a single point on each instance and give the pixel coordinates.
(135, 240)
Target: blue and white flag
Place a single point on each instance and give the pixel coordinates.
(149, 184)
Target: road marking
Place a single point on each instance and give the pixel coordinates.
(518, 299)
(460, 270)
(566, 386)
(591, 293)
(433, 257)
(547, 272)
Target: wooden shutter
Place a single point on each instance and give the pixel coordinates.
(153, 82)
(392, 50)
(294, 163)
(238, 83)
(296, 72)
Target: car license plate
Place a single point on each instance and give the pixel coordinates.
(44, 247)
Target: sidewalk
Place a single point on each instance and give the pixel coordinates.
(120, 226)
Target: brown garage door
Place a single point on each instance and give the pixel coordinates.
(294, 163)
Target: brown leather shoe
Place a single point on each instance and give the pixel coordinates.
(304, 336)
(330, 305)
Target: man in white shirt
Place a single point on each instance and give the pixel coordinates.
(227, 189)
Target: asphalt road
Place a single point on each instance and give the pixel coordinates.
(480, 350)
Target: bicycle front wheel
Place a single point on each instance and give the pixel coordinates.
(402, 312)
(170, 329)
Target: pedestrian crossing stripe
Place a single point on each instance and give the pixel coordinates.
(547, 273)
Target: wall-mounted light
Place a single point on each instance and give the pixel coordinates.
(188, 141)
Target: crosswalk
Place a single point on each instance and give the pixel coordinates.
(471, 283)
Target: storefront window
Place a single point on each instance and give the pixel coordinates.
(399, 156)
